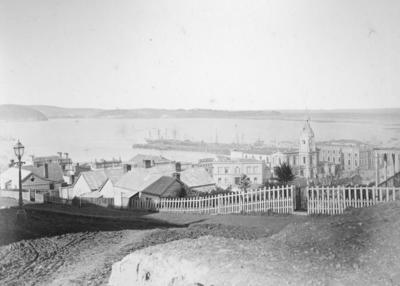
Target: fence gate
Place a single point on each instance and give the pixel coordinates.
(301, 199)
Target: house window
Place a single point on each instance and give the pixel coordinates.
(237, 170)
(329, 159)
(248, 170)
(255, 170)
(255, 180)
(304, 160)
(226, 170)
(51, 186)
(219, 170)
(333, 159)
(219, 180)
(349, 162)
(355, 162)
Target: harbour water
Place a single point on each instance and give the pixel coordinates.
(89, 139)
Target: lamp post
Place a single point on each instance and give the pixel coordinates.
(19, 152)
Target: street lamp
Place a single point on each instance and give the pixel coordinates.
(19, 152)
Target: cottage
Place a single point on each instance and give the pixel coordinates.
(146, 161)
(91, 181)
(44, 178)
(135, 181)
(164, 187)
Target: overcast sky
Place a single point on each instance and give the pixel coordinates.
(279, 54)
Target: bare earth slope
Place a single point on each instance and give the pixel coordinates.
(360, 248)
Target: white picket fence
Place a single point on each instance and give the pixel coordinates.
(277, 200)
(334, 200)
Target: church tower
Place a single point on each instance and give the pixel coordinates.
(307, 152)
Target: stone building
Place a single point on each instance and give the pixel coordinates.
(304, 160)
(228, 172)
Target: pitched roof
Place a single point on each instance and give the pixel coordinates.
(159, 187)
(11, 175)
(139, 158)
(97, 178)
(138, 179)
(196, 177)
(55, 172)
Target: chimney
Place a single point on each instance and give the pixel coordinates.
(176, 175)
(59, 154)
(46, 170)
(178, 167)
(147, 163)
(66, 155)
(127, 168)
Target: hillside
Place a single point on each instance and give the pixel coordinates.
(358, 248)
(61, 112)
(184, 113)
(11, 112)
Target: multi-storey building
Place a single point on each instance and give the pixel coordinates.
(304, 160)
(313, 160)
(349, 154)
(228, 172)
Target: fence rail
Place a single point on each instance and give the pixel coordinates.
(142, 204)
(334, 200)
(279, 200)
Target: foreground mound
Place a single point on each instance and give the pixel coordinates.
(361, 247)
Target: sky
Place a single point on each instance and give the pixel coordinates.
(279, 54)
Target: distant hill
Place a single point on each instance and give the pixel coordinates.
(44, 112)
(11, 112)
(61, 112)
(183, 113)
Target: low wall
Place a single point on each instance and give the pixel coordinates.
(15, 194)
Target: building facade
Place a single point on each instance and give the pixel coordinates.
(350, 155)
(228, 172)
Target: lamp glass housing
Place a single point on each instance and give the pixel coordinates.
(19, 149)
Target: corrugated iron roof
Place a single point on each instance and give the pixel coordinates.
(97, 178)
(196, 177)
(11, 175)
(139, 158)
(138, 178)
(159, 187)
(55, 172)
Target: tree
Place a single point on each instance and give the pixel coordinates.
(244, 182)
(284, 173)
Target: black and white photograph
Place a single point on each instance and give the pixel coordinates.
(200, 142)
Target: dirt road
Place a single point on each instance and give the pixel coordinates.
(60, 249)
